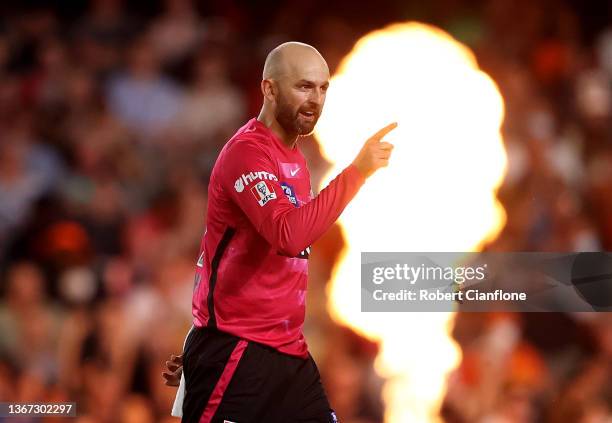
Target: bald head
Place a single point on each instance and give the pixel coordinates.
(292, 58)
(294, 85)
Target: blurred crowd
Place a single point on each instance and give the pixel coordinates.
(111, 117)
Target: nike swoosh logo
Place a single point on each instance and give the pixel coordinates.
(294, 172)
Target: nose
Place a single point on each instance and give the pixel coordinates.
(316, 96)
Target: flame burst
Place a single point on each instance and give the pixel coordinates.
(438, 193)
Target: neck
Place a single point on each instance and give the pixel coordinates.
(267, 118)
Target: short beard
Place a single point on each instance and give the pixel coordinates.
(289, 120)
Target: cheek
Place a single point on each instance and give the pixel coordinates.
(287, 102)
(298, 99)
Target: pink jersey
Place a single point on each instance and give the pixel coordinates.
(252, 271)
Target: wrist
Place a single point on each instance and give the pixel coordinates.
(358, 170)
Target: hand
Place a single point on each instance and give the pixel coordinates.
(174, 370)
(375, 153)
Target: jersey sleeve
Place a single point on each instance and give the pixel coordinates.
(249, 178)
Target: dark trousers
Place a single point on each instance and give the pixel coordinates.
(229, 379)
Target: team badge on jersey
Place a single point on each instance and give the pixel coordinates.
(290, 193)
(263, 193)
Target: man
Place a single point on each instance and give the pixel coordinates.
(246, 359)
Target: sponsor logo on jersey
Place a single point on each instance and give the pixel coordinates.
(290, 193)
(248, 178)
(290, 170)
(239, 185)
(263, 193)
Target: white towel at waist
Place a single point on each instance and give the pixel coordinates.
(177, 407)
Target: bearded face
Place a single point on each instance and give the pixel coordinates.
(296, 113)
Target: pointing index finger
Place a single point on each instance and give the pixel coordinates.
(384, 131)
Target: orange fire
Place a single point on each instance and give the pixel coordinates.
(438, 193)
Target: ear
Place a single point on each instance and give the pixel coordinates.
(268, 89)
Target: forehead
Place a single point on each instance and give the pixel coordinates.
(309, 68)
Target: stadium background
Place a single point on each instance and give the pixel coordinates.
(111, 115)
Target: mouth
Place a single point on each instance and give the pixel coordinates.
(308, 115)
